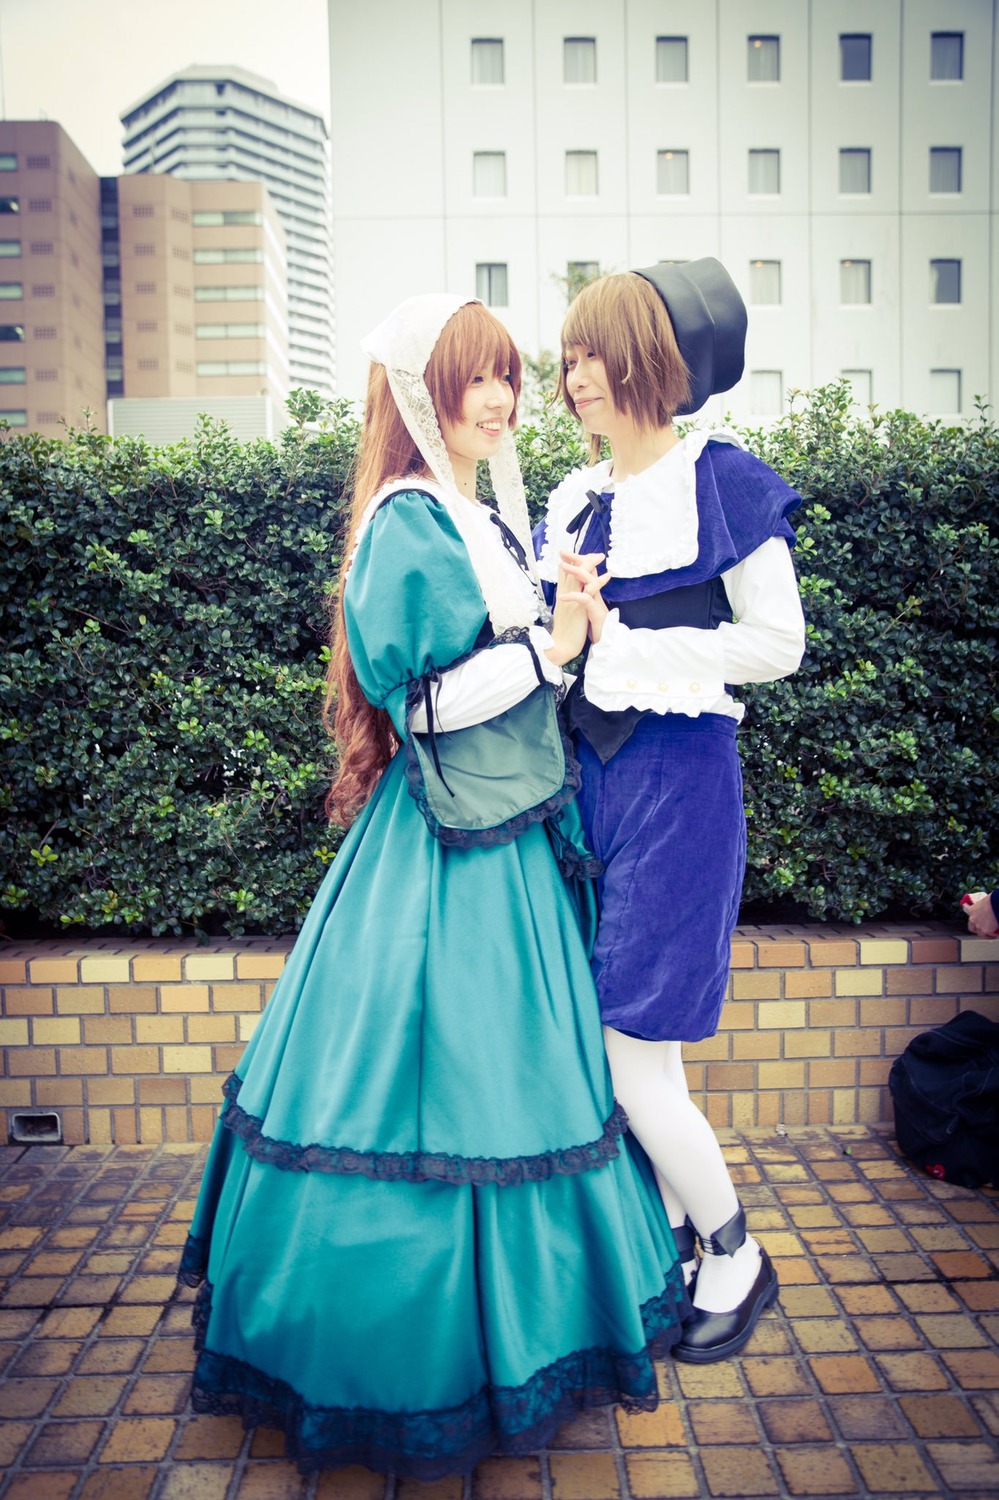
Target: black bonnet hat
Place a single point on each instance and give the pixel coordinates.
(709, 320)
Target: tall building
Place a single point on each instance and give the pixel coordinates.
(212, 123)
(839, 159)
(51, 317)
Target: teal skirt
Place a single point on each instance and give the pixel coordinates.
(421, 1237)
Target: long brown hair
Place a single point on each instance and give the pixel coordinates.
(471, 342)
(622, 318)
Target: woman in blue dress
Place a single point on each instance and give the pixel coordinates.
(698, 595)
(421, 1238)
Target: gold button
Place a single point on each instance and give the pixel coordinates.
(631, 683)
(695, 687)
(664, 687)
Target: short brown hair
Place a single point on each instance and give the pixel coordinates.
(623, 319)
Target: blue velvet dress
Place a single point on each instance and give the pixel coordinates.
(421, 1237)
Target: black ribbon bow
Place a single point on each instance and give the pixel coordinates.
(598, 505)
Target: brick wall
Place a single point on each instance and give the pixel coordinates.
(132, 1041)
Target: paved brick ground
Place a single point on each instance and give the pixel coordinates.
(878, 1375)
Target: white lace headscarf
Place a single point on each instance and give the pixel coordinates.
(403, 343)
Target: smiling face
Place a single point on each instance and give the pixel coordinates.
(625, 354)
(588, 386)
(486, 408)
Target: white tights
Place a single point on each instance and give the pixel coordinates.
(693, 1179)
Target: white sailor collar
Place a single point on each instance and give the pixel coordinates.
(653, 520)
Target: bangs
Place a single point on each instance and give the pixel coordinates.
(472, 341)
(622, 319)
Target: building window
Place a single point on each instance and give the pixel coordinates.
(489, 174)
(11, 333)
(581, 174)
(854, 282)
(226, 257)
(8, 161)
(672, 172)
(579, 272)
(232, 367)
(491, 283)
(215, 219)
(765, 283)
(766, 393)
(13, 375)
(14, 418)
(11, 291)
(487, 61)
(855, 170)
(945, 169)
(763, 59)
(945, 281)
(945, 391)
(10, 248)
(764, 171)
(10, 205)
(860, 382)
(228, 293)
(579, 59)
(947, 56)
(855, 57)
(229, 331)
(672, 64)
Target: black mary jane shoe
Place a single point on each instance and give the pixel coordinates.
(709, 1336)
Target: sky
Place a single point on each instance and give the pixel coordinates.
(81, 62)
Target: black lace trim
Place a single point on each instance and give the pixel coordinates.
(419, 1166)
(193, 1262)
(511, 828)
(571, 860)
(430, 1444)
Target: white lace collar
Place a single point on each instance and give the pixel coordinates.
(653, 521)
(510, 595)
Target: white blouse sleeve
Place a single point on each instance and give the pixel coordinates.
(487, 683)
(681, 669)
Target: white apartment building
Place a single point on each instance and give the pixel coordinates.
(211, 123)
(839, 156)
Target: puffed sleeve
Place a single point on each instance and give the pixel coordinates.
(412, 603)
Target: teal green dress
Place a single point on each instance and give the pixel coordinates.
(421, 1237)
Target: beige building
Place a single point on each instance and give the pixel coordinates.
(135, 303)
(51, 313)
(204, 311)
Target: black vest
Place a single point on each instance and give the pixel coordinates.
(701, 605)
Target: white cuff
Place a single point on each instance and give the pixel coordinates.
(487, 684)
(643, 669)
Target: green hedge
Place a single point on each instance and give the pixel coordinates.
(162, 621)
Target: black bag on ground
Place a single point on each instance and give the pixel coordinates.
(945, 1088)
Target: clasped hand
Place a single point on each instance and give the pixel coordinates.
(579, 605)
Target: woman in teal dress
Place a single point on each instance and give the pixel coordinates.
(421, 1237)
